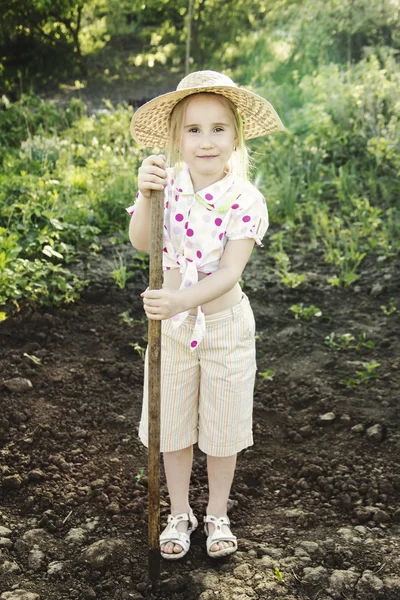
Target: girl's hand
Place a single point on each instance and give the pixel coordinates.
(162, 304)
(152, 174)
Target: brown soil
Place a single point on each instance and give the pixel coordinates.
(306, 495)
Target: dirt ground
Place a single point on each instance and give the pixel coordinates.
(315, 501)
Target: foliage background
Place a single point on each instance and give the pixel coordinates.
(68, 166)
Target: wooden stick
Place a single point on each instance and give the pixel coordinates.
(154, 387)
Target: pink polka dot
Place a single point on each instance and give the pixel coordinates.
(246, 219)
(186, 225)
(235, 206)
(209, 197)
(218, 222)
(137, 195)
(177, 198)
(221, 235)
(193, 344)
(165, 250)
(190, 232)
(165, 227)
(189, 244)
(187, 284)
(167, 268)
(166, 204)
(179, 217)
(177, 230)
(180, 190)
(189, 259)
(172, 182)
(199, 254)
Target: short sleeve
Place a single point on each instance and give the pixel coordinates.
(131, 209)
(249, 218)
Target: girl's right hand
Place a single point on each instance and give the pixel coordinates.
(152, 174)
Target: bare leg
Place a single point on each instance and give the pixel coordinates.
(220, 476)
(178, 467)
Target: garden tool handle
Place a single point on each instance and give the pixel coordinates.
(154, 386)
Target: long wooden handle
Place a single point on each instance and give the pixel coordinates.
(154, 387)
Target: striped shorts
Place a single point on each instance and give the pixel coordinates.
(207, 394)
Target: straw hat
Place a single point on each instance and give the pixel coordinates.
(150, 123)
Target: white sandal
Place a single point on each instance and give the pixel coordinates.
(171, 534)
(218, 536)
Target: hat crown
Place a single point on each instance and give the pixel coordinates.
(205, 79)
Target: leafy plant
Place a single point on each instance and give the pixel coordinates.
(139, 349)
(306, 313)
(139, 475)
(364, 376)
(389, 310)
(347, 341)
(278, 575)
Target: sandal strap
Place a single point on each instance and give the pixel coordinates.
(217, 535)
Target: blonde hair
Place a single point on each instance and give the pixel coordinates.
(239, 160)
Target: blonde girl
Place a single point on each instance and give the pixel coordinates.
(212, 218)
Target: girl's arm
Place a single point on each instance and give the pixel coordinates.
(152, 176)
(165, 303)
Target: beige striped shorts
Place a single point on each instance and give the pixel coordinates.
(207, 393)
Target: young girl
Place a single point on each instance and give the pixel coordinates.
(212, 217)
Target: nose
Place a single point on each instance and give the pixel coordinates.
(206, 142)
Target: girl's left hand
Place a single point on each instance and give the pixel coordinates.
(161, 304)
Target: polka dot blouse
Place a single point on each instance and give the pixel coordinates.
(197, 227)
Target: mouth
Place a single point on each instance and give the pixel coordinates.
(208, 156)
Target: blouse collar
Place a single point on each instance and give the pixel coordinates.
(210, 194)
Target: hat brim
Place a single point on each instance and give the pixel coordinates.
(150, 123)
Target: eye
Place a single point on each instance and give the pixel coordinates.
(218, 129)
(193, 130)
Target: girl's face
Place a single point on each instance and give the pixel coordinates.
(208, 139)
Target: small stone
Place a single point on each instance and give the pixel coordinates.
(104, 552)
(369, 585)
(36, 475)
(5, 542)
(98, 483)
(345, 419)
(9, 567)
(55, 568)
(358, 428)
(35, 559)
(376, 289)
(342, 582)
(392, 587)
(315, 575)
(76, 535)
(18, 384)
(381, 517)
(12, 482)
(309, 547)
(113, 508)
(243, 571)
(5, 532)
(305, 431)
(375, 433)
(327, 418)
(363, 514)
(19, 595)
(173, 584)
